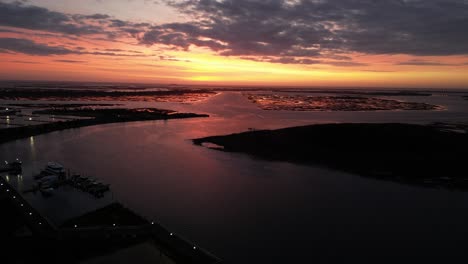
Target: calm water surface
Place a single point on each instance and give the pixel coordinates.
(246, 210)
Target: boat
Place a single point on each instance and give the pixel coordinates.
(47, 191)
(54, 168)
(12, 166)
(51, 179)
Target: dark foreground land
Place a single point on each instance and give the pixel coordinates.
(414, 154)
(28, 237)
(96, 117)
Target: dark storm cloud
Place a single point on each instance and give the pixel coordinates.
(29, 47)
(37, 18)
(319, 28)
(279, 31)
(20, 15)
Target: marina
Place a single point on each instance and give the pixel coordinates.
(55, 176)
(109, 224)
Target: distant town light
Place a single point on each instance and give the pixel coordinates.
(30, 119)
(40, 223)
(30, 213)
(76, 226)
(152, 223)
(21, 205)
(113, 224)
(171, 234)
(7, 190)
(194, 247)
(14, 197)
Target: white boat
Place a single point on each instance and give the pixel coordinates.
(52, 179)
(54, 168)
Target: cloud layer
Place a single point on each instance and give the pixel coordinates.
(276, 31)
(318, 28)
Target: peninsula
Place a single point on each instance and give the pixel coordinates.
(429, 155)
(91, 117)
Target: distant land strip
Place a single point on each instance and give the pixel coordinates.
(97, 117)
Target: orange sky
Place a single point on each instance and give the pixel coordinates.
(126, 60)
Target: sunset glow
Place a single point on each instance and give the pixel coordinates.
(182, 42)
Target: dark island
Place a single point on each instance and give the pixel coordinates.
(95, 117)
(429, 155)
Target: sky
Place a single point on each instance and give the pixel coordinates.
(313, 43)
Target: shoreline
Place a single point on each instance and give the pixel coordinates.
(101, 116)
